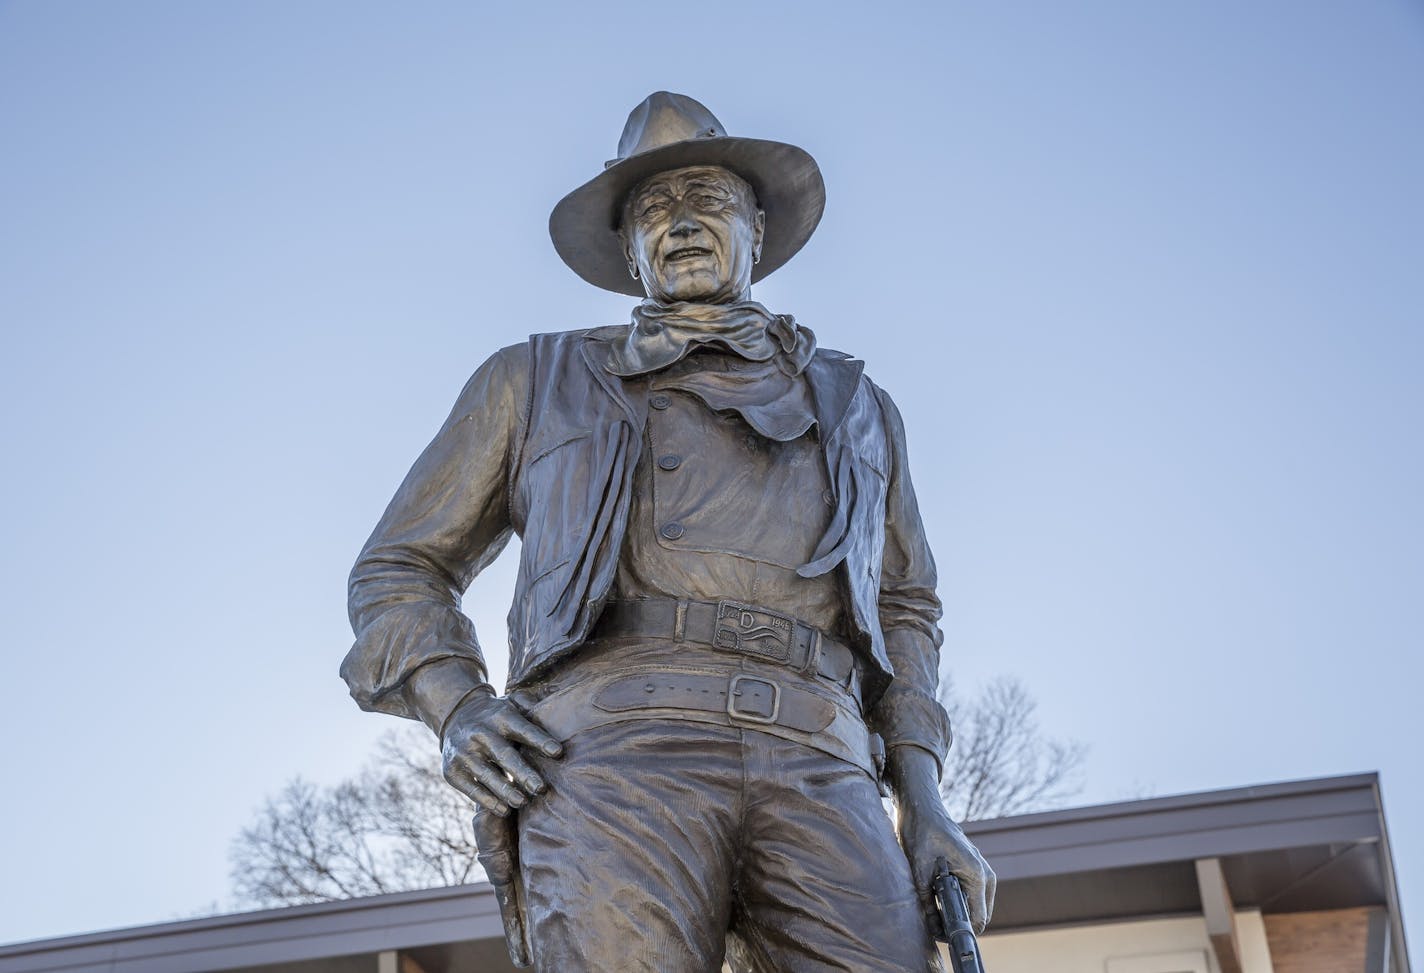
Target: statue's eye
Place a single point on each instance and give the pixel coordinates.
(704, 200)
(655, 208)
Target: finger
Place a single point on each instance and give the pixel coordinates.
(487, 801)
(497, 783)
(927, 902)
(978, 913)
(521, 729)
(509, 760)
(464, 779)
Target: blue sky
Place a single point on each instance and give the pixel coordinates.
(1145, 280)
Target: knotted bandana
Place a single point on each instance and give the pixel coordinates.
(760, 380)
(665, 333)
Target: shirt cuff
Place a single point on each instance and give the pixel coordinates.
(907, 717)
(399, 641)
(437, 689)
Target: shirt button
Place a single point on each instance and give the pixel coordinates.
(660, 401)
(671, 531)
(669, 462)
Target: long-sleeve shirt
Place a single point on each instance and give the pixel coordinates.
(732, 517)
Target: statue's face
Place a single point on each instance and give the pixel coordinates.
(693, 235)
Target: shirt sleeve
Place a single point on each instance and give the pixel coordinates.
(908, 713)
(446, 523)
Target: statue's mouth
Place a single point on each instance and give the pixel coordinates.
(687, 253)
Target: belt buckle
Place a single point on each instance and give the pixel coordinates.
(734, 693)
(754, 631)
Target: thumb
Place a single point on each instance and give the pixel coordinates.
(978, 908)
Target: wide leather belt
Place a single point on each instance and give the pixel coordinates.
(731, 626)
(755, 699)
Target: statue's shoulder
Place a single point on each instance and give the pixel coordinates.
(551, 353)
(509, 365)
(553, 339)
(517, 360)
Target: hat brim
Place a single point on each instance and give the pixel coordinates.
(787, 181)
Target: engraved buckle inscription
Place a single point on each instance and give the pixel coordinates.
(754, 631)
(747, 699)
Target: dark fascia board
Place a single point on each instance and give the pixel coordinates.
(402, 920)
(1147, 805)
(1239, 821)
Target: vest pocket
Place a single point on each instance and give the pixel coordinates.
(540, 451)
(550, 485)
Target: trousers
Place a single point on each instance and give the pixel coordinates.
(661, 844)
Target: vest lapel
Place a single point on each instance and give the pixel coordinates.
(834, 379)
(629, 393)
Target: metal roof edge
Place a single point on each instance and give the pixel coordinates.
(1182, 801)
(1399, 954)
(254, 917)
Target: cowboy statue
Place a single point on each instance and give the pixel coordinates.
(724, 640)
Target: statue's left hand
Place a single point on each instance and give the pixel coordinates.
(928, 833)
(480, 747)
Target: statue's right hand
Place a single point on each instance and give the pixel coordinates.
(480, 748)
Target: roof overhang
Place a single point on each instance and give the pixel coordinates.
(1294, 847)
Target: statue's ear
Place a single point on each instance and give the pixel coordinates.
(758, 231)
(628, 256)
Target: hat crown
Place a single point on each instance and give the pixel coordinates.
(664, 118)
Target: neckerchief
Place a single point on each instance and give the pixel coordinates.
(664, 333)
(761, 379)
(762, 383)
(773, 403)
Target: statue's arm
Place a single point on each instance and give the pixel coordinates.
(416, 654)
(909, 716)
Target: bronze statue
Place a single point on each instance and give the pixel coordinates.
(724, 636)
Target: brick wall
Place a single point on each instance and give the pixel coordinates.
(1319, 942)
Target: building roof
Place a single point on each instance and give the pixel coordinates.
(1292, 847)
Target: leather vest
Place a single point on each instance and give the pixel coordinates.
(572, 482)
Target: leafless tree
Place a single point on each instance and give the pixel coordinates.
(1001, 762)
(394, 827)
(398, 826)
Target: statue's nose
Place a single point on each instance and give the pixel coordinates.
(683, 224)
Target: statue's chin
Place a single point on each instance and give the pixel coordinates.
(694, 285)
(697, 293)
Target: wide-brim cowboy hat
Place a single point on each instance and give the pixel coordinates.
(669, 131)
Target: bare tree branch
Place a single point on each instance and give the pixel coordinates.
(1001, 762)
(396, 826)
